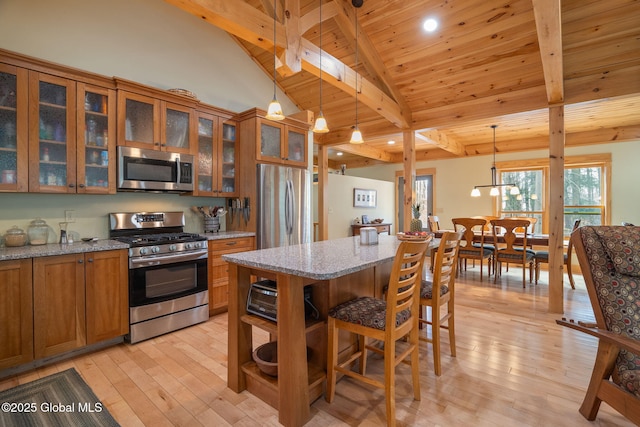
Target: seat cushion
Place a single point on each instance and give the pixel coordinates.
(516, 257)
(367, 311)
(426, 289)
(475, 252)
(544, 256)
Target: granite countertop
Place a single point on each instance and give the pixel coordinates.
(323, 260)
(59, 249)
(228, 235)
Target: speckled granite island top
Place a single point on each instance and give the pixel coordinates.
(59, 249)
(320, 260)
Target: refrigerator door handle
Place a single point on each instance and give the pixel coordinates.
(288, 209)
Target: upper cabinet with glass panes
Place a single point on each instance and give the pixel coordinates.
(154, 119)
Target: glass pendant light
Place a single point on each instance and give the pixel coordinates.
(274, 111)
(356, 136)
(321, 123)
(495, 187)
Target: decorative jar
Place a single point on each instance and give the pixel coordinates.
(38, 232)
(15, 237)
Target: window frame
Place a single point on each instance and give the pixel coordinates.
(602, 161)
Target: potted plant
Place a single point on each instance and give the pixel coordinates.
(416, 223)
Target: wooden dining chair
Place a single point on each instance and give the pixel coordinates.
(512, 253)
(541, 257)
(385, 321)
(608, 257)
(472, 245)
(444, 276)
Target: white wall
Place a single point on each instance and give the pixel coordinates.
(340, 203)
(455, 178)
(146, 41)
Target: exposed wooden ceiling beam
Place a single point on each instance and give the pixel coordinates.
(442, 141)
(369, 56)
(365, 151)
(248, 23)
(311, 19)
(549, 28)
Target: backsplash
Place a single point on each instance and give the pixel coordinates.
(91, 211)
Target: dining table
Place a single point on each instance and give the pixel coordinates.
(533, 239)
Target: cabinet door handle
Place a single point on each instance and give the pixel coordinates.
(80, 261)
(81, 185)
(156, 143)
(72, 185)
(90, 259)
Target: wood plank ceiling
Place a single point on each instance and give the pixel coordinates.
(489, 62)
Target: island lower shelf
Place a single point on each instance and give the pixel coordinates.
(266, 387)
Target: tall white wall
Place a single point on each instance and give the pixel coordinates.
(340, 203)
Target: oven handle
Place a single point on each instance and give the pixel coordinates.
(167, 259)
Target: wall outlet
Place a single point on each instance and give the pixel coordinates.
(70, 216)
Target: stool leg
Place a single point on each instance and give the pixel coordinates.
(332, 359)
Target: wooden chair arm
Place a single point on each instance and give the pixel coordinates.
(622, 341)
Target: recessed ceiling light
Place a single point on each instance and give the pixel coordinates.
(430, 25)
(391, 142)
(339, 153)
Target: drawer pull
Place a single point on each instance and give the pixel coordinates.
(232, 243)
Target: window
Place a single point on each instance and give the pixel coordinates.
(423, 194)
(586, 180)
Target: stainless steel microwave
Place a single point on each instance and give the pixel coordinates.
(150, 170)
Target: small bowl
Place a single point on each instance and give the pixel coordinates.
(266, 357)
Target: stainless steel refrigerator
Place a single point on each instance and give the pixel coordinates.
(284, 206)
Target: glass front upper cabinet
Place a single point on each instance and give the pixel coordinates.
(216, 156)
(155, 124)
(96, 139)
(13, 129)
(52, 150)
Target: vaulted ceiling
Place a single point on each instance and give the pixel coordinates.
(500, 62)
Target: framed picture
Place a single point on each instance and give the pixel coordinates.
(364, 198)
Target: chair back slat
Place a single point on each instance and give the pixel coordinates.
(404, 283)
(444, 271)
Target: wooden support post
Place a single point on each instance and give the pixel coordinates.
(409, 161)
(556, 208)
(323, 192)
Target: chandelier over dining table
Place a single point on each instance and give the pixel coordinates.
(495, 187)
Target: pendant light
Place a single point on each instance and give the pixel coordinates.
(321, 123)
(495, 187)
(356, 136)
(274, 111)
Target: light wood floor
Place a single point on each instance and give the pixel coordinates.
(514, 367)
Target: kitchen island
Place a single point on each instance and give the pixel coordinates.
(337, 271)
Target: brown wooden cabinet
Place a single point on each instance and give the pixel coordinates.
(14, 143)
(59, 304)
(217, 151)
(154, 119)
(282, 142)
(96, 139)
(79, 299)
(16, 313)
(107, 295)
(219, 269)
(55, 128)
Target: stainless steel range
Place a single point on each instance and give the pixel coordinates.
(167, 272)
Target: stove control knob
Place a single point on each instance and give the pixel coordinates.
(144, 251)
(172, 248)
(196, 245)
(189, 245)
(155, 249)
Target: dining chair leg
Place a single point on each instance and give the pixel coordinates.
(435, 339)
(389, 382)
(451, 326)
(362, 343)
(415, 362)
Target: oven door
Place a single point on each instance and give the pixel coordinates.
(166, 277)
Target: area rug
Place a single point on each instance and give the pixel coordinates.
(61, 399)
